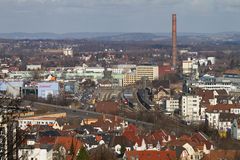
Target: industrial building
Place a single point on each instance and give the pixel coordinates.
(47, 88)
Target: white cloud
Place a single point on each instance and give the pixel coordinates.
(87, 15)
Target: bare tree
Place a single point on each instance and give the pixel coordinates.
(11, 137)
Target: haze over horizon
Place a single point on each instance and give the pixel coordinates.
(148, 16)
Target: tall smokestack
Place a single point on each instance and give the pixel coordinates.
(174, 40)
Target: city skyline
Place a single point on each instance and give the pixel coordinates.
(154, 16)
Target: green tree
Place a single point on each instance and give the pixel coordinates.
(83, 154)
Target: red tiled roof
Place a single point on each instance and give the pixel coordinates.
(131, 134)
(200, 139)
(151, 155)
(223, 154)
(205, 93)
(233, 71)
(68, 141)
(223, 107)
(196, 141)
(108, 122)
(47, 140)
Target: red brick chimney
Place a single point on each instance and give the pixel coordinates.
(174, 40)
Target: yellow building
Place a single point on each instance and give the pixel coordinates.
(149, 71)
(129, 78)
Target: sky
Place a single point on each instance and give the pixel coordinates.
(153, 16)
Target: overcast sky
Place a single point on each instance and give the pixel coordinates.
(61, 16)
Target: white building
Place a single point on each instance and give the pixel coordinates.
(49, 119)
(33, 67)
(24, 123)
(172, 104)
(205, 61)
(95, 69)
(227, 85)
(116, 70)
(32, 151)
(187, 67)
(68, 52)
(212, 60)
(236, 129)
(209, 82)
(225, 121)
(190, 67)
(191, 107)
(220, 116)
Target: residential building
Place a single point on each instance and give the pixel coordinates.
(190, 68)
(36, 151)
(191, 107)
(160, 95)
(187, 67)
(172, 104)
(225, 121)
(213, 115)
(48, 120)
(236, 129)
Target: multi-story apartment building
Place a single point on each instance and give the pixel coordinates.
(187, 67)
(191, 107)
(172, 104)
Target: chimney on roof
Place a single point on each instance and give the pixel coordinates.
(174, 40)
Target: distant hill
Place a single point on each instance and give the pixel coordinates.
(215, 37)
(131, 37)
(45, 35)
